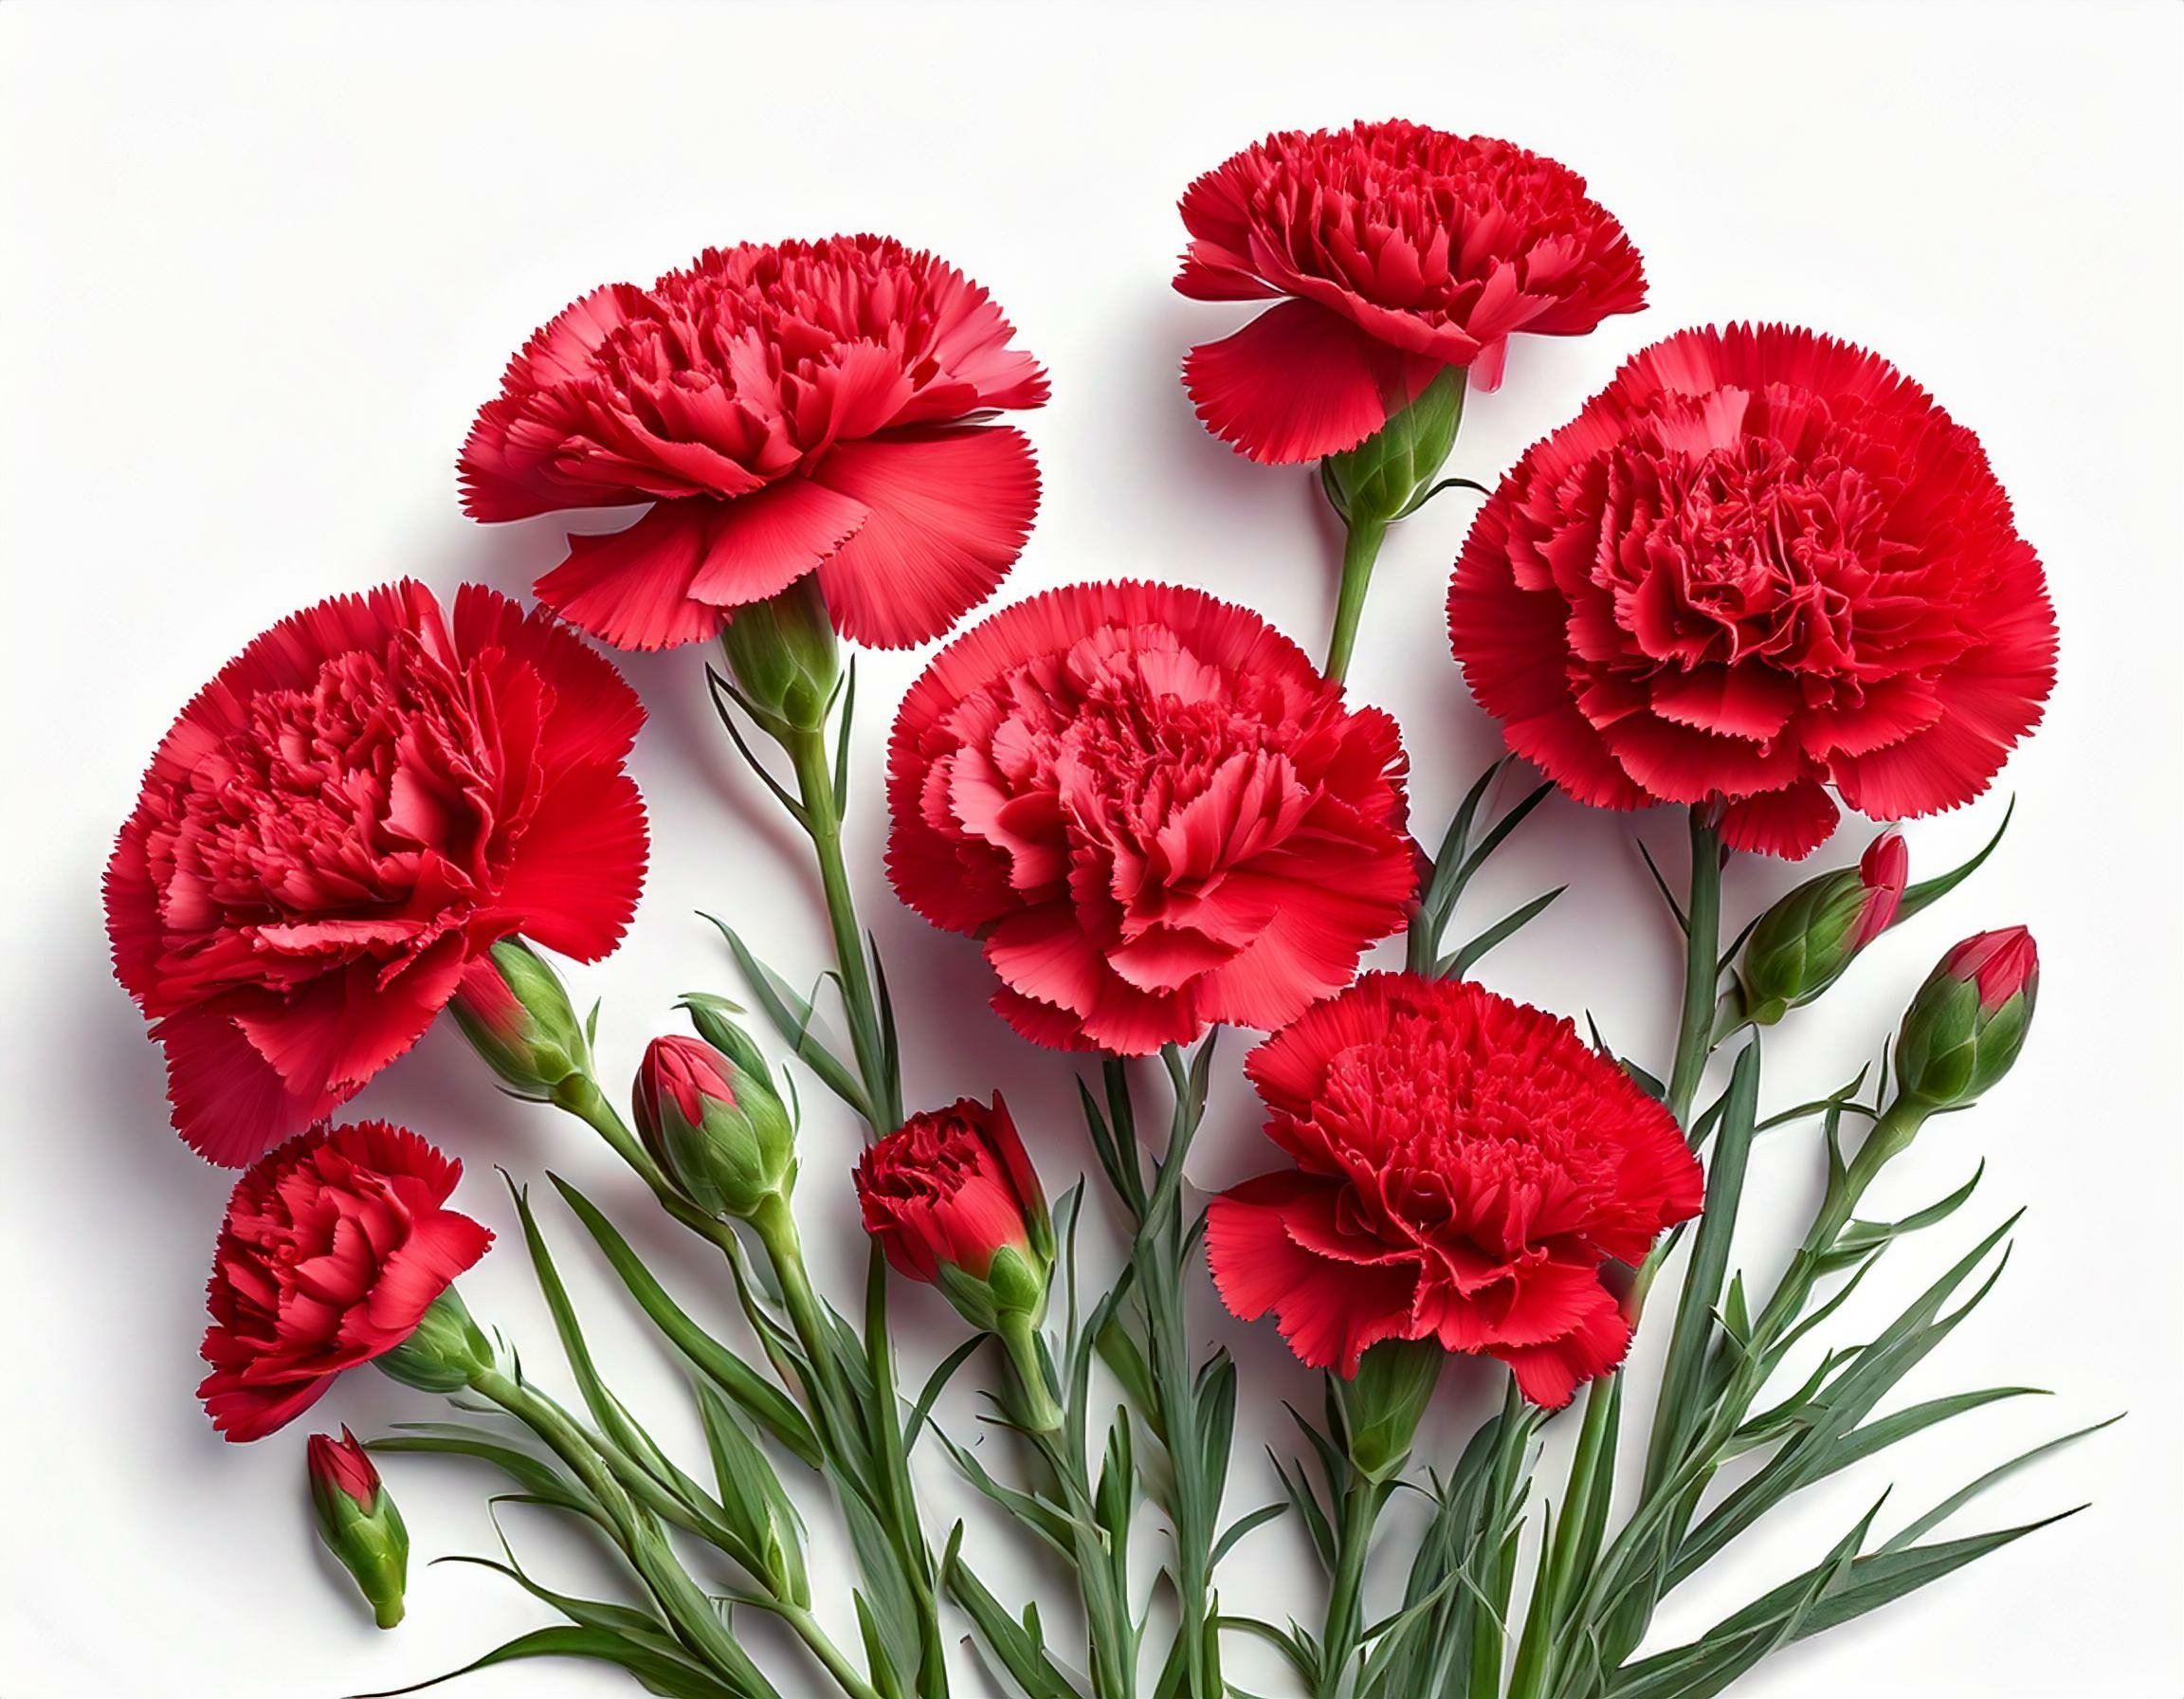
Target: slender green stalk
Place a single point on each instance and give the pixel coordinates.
(695, 1621)
(1592, 1464)
(823, 824)
(821, 818)
(1701, 969)
(1345, 1621)
(1360, 550)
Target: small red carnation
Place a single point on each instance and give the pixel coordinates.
(784, 408)
(1464, 1166)
(335, 1247)
(354, 810)
(1401, 250)
(1153, 810)
(955, 1187)
(1760, 562)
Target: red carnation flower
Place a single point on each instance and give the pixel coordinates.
(1464, 1166)
(1153, 810)
(783, 410)
(1760, 562)
(954, 1187)
(362, 802)
(335, 1247)
(1402, 250)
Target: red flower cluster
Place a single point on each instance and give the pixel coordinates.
(951, 1186)
(1760, 562)
(1402, 250)
(362, 802)
(335, 1247)
(1464, 1166)
(785, 410)
(1154, 812)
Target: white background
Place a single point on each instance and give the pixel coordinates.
(260, 265)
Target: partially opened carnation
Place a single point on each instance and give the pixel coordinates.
(1401, 251)
(1759, 563)
(1464, 1166)
(784, 408)
(352, 811)
(335, 1247)
(1152, 810)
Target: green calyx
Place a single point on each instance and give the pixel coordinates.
(1384, 477)
(1382, 1404)
(445, 1353)
(1014, 1286)
(519, 1020)
(372, 1543)
(1801, 946)
(784, 657)
(1950, 1050)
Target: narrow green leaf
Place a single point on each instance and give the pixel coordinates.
(751, 1392)
(1460, 965)
(1957, 1500)
(1929, 891)
(792, 1016)
(672, 1675)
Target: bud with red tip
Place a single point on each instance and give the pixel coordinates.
(1801, 945)
(713, 1122)
(1968, 1021)
(953, 1201)
(512, 1008)
(359, 1522)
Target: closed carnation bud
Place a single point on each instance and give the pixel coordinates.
(1965, 1027)
(1801, 945)
(952, 1200)
(359, 1522)
(784, 657)
(713, 1122)
(512, 1008)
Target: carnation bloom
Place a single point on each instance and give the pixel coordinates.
(335, 1247)
(954, 1187)
(1401, 251)
(1464, 1166)
(1759, 563)
(783, 408)
(1152, 810)
(357, 807)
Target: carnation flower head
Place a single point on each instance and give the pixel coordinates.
(1464, 1166)
(1759, 563)
(335, 1246)
(1152, 810)
(785, 408)
(1401, 250)
(351, 812)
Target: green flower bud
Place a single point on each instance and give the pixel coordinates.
(1801, 945)
(512, 1008)
(445, 1353)
(1968, 1022)
(783, 655)
(359, 1522)
(713, 1122)
(1381, 1405)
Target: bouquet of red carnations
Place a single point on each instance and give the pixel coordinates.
(1759, 573)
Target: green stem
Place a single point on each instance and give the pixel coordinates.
(821, 818)
(695, 1621)
(775, 1227)
(1345, 1621)
(822, 823)
(1020, 1340)
(1702, 969)
(1360, 549)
